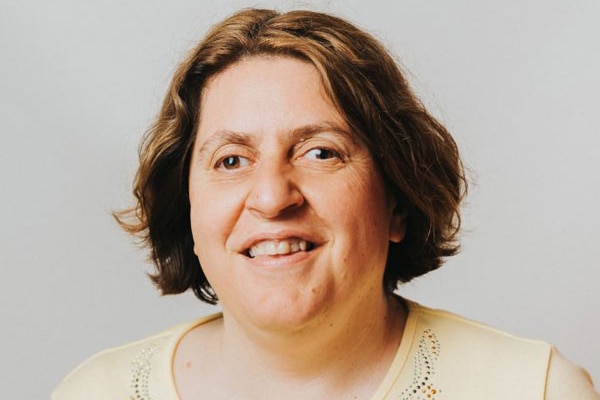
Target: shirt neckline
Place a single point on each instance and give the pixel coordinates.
(395, 369)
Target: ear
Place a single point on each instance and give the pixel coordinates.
(397, 226)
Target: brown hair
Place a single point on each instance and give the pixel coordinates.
(416, 155)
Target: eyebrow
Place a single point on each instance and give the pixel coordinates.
(226, 136)
(312, 129)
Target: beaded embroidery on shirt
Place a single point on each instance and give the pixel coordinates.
(422, 386)
(140, 370)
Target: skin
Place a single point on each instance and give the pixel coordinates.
(275, 161)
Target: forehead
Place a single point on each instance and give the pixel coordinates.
(266, 92)
(248, 66)
(249, 74)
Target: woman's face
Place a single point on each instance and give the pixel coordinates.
(290, 217)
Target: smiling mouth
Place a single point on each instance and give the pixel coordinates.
(279, 247)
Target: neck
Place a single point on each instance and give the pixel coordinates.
(330, 352)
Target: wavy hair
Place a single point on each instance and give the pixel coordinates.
(415, 153)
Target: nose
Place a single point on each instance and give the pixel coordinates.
(275, 192)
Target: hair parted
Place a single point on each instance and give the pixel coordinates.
(415, 153)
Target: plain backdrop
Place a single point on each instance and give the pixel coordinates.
(517, 82)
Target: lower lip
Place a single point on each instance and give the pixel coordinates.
(281, 262)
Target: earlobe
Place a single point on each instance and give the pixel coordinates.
(397, 226)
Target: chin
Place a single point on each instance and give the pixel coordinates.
(286, 312)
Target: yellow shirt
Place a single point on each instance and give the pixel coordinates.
(442, 356)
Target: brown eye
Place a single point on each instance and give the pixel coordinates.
(322, 153)
(233, 162)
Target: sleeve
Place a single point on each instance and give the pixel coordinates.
(567, 381)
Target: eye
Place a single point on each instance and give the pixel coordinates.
(232, 162)
(322, 153)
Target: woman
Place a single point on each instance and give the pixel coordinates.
(293, 177)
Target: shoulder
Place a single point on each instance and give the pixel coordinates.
(470, 336)
(568, 381)
(128, 371)
(473, 357)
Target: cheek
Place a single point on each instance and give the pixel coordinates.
(368, 216)
(363, 200)
(213, 213)
(356, 208)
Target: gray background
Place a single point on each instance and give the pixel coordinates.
(516, 82)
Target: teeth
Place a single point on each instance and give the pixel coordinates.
(279, 247)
